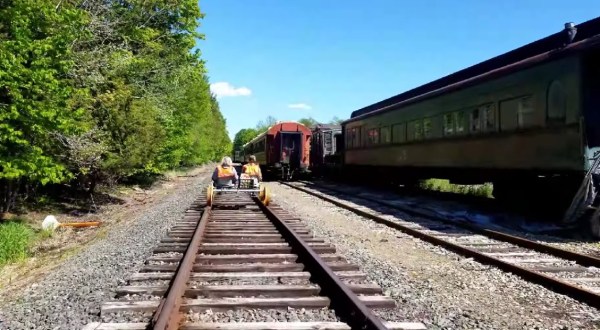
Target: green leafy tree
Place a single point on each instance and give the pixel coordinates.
(336, 120)
(102, 90)
(35, 57)
(308, 122)
(263, 125)
(243, 136)
(161, 114)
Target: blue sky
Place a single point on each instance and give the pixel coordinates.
(325, 58)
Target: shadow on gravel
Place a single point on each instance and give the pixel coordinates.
(484, 217)
(66, 200)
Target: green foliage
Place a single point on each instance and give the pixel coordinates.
(263, 125)
(484, 190)
(243, 136)
(102, 90)
(15, 239)
(336, 120)
(308, 122)
(35, 57)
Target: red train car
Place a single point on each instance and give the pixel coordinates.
(282, 151)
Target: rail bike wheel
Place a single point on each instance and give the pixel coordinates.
(264, 195)
(210, 193)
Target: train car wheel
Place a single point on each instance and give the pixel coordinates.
(210, 191)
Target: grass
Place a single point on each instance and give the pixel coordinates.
(15, 239)
(484, 190)
(18, 238)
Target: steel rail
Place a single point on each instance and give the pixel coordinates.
(556, 285)
(167, 315)
(345, 303)
(585, 260)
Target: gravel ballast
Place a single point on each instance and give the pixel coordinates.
(71, 295)
(268, 315)
(430, 284)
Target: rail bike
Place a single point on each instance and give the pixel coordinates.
(246, 185)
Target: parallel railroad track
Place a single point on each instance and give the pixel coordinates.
(240, 255)
(574, 274)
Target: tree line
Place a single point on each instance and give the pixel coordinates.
(244, 135)
(95, 91)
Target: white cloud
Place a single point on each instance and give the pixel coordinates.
(224, 89)
(302, 106)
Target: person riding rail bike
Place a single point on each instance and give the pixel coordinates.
(225, 175)
(252, 169)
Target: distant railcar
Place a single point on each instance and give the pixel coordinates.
(528, 121)
(282, 151)
(238, 156)
(324, 149)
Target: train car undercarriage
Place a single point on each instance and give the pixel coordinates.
(568, 199)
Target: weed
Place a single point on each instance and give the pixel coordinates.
(15, 239)
(45, 234)
(484, 190)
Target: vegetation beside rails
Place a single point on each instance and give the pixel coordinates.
(484, 190)
(26, 250)
(16, 239)
(100, 92)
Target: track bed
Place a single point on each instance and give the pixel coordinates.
(245, 265)
(563, 271)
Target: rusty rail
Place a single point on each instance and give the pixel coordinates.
(345, 303)
(583, 295)
(167, 315)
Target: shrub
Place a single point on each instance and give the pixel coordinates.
(484, 190)
(15, 238)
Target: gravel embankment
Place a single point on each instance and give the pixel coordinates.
(71, 295)
(432, 285)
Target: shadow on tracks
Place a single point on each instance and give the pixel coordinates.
(469, 211)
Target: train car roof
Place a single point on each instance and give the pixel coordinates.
(555, 41)
(259, 136)
(318, 127)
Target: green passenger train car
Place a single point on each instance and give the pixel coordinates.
(532, 127)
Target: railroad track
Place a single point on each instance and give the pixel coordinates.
(240, 259)
(574, 274)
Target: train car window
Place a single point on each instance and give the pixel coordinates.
(427, 133)
(360, 135)
(556, 102)
(525, 112)
(459, 121)
(385, 135)
(348, 138)
(399, 133)
(508, 114)
(415, 131)
(355, 143)
(475, 121)
(488, 113)
(448, 124)
(373, 136)
(410, 131)
(356, 137)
